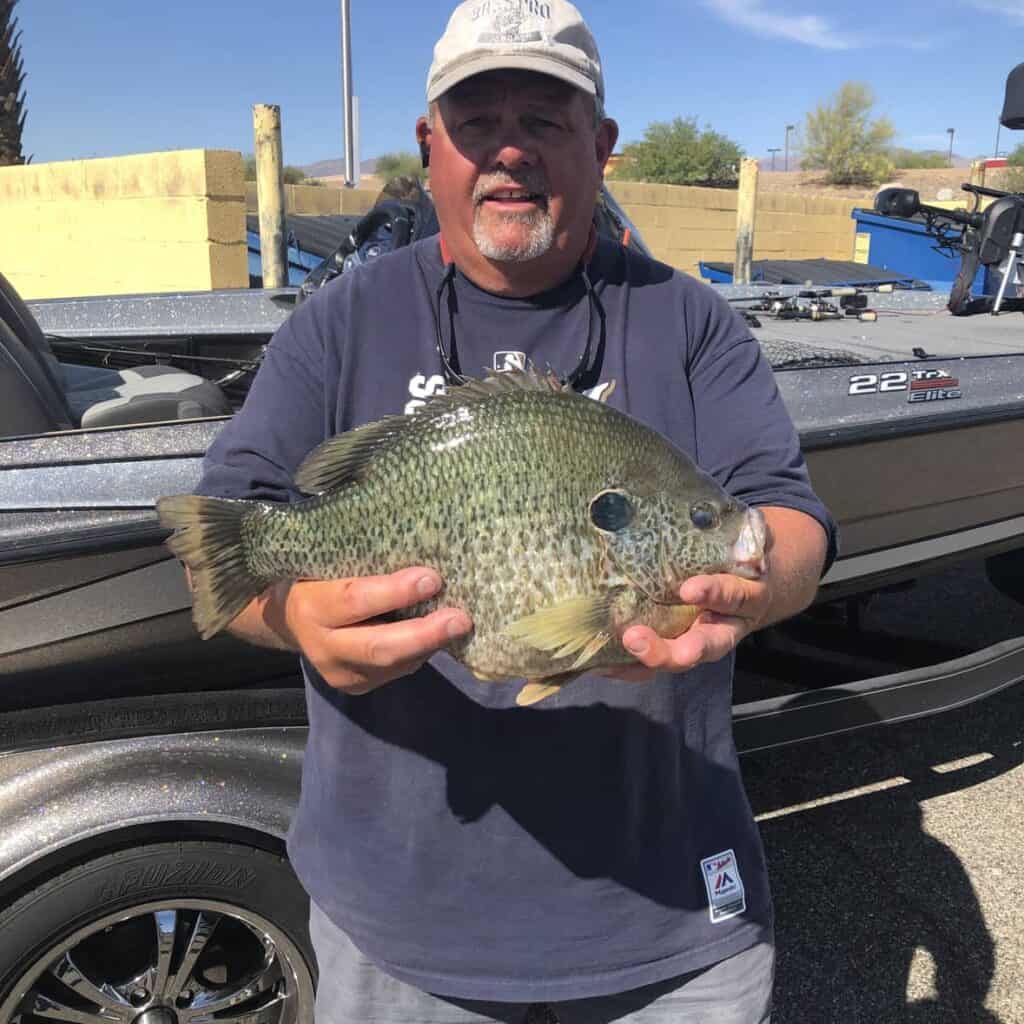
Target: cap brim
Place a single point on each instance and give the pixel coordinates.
(499, 62)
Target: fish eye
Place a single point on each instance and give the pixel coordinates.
(611, 511)
(703, 515)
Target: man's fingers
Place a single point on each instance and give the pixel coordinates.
(709, 639)
(383, 648)
(335, 603)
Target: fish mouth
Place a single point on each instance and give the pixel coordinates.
(748, 553)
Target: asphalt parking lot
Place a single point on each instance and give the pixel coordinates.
(897, 859)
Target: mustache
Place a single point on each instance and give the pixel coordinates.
(534, 181)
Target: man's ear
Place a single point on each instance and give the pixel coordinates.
(423, 140)
(607, 136)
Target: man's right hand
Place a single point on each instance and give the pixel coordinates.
(336, 624)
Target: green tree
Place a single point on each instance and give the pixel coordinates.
(678, 153)
(839, 138)
(1014, 179)
(12, 95)
(912, 159)
(399, 165)
(292, 175)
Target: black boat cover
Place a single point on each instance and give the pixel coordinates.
(319, 235)
(818, 272)
(1013, 108)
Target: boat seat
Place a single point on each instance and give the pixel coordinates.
(1003, 219)
(35, 386)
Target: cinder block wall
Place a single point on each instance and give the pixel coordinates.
(154, 222)
(319, 200)
(683, 224)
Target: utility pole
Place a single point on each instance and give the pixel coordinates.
(346, 93)
(949, 132)
(789, 128)
(773, 152)
(999, 124)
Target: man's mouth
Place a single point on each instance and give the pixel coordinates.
(514, 197)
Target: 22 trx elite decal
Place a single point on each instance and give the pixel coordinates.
(920, 385)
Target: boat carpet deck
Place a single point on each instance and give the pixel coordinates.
(906, 320)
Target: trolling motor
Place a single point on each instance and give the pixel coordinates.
(993, 237)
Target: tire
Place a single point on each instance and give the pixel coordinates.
(234, 923)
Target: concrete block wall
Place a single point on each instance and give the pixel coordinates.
(317, 200)
(683, 225)
(172, 221)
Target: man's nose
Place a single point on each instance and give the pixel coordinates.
(512, 149)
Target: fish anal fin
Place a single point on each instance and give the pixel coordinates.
(539, 689)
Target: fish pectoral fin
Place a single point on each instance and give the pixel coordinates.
(538, 689)
(579, 624)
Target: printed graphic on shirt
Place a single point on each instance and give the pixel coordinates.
(509, 361)
(423, 387)
(726, 896)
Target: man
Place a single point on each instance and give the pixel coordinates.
(593, 859)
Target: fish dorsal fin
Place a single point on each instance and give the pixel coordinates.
(343, 458)
(577, 626)
(503, 382)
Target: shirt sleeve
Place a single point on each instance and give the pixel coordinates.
(745, 437)
(283, 418)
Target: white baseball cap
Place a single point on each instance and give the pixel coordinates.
(547, 36)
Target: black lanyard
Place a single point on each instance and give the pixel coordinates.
(450, 356)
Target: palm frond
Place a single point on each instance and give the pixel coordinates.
(12, 92)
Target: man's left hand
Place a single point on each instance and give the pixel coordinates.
(733, 607)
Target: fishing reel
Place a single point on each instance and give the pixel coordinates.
(811, 305)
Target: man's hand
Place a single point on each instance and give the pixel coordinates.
(336, 624)
(733, 607)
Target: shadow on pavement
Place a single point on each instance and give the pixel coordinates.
(860, 887)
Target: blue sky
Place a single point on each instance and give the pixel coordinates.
(131, 76)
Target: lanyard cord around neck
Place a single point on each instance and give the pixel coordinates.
(450, 358)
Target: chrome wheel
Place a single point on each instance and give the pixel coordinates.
(168, 962)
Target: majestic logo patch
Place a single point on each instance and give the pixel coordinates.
(726, 895)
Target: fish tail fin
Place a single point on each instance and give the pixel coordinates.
(208, 539)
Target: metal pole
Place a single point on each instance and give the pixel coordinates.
(773, 152)
(266, 124)
(346, 93)
(999, 124)
(950, 133)
(789, 128)
(746, 200)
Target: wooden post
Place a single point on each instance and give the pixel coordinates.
(745, 203)
(978, 172)
(266, 125)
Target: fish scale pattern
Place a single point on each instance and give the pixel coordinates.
(494, 492)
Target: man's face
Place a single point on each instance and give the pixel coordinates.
(516, 163)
